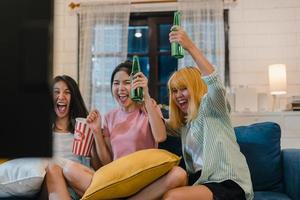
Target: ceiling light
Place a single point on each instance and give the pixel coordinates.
(138, 33)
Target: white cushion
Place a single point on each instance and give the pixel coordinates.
(22, 176)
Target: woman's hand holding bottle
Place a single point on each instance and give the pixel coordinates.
(140, 80)
(180, 36)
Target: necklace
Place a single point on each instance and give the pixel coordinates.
(58, 129)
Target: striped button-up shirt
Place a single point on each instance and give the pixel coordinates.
(211, 142)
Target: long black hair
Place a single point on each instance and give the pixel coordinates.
(77, 105)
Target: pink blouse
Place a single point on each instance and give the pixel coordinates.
(128, 131)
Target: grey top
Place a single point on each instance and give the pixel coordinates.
(62, 148)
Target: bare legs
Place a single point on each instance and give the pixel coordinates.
(171, 186)
(56, 184)
(175, 178)
(78, 176)
(197, 192)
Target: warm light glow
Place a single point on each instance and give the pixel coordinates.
(277, 79)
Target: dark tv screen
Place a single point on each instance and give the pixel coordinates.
(26, 41)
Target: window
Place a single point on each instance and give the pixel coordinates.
(148, 37)
(103, 55)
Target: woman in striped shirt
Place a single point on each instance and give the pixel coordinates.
(200, 113)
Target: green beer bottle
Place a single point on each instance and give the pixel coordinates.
(176, 49)
(136, 94)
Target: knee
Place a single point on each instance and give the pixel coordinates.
(69, 169)
(73, 170)
(177, 177)
(54, 170)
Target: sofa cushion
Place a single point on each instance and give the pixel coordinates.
(270, 195)
(291, 172)
(129, 174)
(260, 143)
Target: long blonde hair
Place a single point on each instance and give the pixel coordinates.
(189, 78)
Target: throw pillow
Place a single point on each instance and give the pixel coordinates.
(260, 143)
(22, 177)
(129, 174)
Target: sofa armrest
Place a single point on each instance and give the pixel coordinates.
(291, 172)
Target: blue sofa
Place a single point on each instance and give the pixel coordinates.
(275, 172)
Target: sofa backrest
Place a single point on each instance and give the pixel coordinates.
(260, 143)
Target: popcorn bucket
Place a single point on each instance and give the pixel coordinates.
(83, 138)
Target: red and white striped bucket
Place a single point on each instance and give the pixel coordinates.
(83, 138)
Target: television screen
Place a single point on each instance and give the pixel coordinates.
(26, 40)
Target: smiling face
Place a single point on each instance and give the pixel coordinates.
(181, 98)
(61, 99)
(121, 90)
(186, 89)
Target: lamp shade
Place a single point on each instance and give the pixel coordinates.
(277, 79)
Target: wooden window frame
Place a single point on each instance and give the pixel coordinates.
(152, 19)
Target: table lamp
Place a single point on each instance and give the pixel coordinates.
(277, 80)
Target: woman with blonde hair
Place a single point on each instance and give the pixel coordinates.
(187, 77)
(199, 113)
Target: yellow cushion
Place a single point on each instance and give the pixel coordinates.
(129, 174)
(2, 160)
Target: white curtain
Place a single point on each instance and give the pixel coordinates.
(203, 21)
(103, 33)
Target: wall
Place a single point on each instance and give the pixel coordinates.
(65, 39)
(262, 32)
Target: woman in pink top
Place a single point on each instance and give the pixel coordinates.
(131, 126)
(128, 128)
